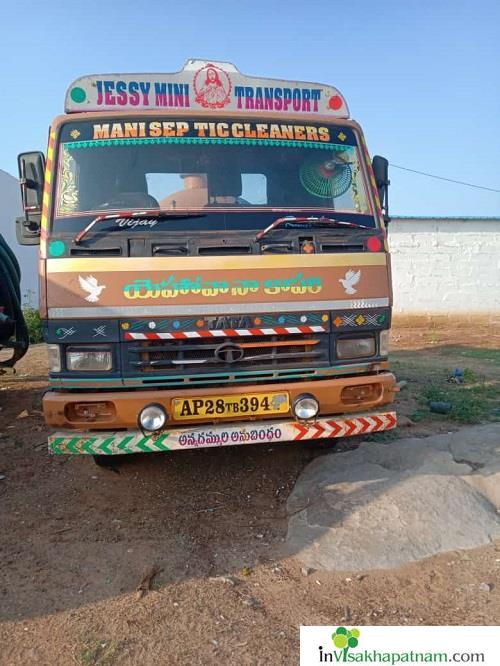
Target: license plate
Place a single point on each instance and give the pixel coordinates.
(230, 406)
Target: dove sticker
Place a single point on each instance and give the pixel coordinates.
(349, 280)
(91, 286)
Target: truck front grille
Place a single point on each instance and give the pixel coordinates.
(188, 356)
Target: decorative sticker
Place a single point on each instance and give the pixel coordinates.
(63, 332)
(212, 87)
(350, 279)
(92, 287)
(68, 185)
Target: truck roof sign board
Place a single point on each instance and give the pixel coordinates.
(207, 86)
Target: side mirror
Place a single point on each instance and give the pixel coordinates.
(31, 178)
(380, 166)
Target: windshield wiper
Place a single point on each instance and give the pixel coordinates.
(129, 214)
(325, 221)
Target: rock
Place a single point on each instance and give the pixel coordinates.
(306, 571)
(347, 615)
(347, 507)
(230, 580)
(440, 407)
(486, 587)
(2, 477)
(251, 601)
(23, 415)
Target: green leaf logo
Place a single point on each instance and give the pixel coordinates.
(345, 638)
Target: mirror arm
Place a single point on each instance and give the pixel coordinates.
(27, 182)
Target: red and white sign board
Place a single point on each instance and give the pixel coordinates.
(207, 86)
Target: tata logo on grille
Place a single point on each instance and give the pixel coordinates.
(228, 322)
(228, 352)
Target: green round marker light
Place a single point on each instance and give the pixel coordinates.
(57, 248)
(78, 95)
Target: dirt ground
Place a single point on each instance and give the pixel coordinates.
(204, 530)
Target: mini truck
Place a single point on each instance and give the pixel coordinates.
(214, 267)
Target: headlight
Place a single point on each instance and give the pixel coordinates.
(305, 406)
(152, 417)
(355, 348)
(54, 358)
(384, 342)
(89, 360)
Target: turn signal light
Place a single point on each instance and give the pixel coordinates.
(90, 411)
(354, 395)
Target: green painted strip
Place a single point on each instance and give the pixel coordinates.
(142, 444)
(213, 378)
(82, 380)
(87, 445)
(54, 445)
(122, 446)
(71, 445)
(104, 446)
(194, 140)
(159, 442)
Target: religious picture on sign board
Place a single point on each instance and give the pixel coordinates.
(212, 86)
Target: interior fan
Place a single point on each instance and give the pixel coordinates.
(327, 178)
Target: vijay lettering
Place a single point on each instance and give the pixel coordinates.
(132, 224)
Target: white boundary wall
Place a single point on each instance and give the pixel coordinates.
(445, 265)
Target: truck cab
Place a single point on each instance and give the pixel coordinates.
(214, 267)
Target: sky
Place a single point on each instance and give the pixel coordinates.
(422, 78)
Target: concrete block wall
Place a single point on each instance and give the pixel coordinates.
(445, 266)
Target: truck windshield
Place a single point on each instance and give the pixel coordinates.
(215, 167)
